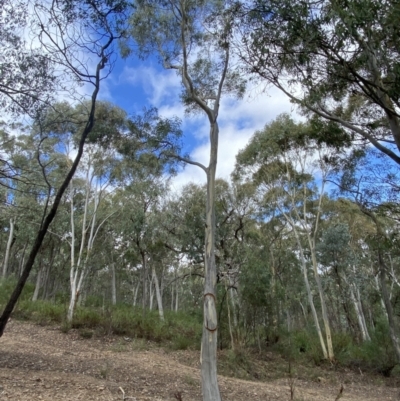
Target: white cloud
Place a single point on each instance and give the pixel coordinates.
(161, 86)
(238, 121)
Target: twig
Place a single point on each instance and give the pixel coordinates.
(124, 397)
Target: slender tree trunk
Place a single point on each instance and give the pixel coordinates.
(309, 294)
(158, 293)
(113, 285)
(144, 283)
(324, 309)
(356, 299)
(8, 248)
(176, 296)
(37, 286)
(22, 261)
(385, 295)
(151, 293)
(355, 296)
(209, 343)
(135, 293)
(229, 318)
(233, 302)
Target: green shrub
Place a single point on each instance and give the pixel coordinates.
(41, 312)
(86, 318)
(376, 355)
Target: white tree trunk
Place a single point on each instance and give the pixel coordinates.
(356, 299)
(324, 309)
(360, 315)
(8, 248)
(158, 293)
(309, 293)
(22, 261)
(37, 286)
(176, 296)
(209, 342)
(113, 285)
(135, 294)
(172, 297)
(151, 293)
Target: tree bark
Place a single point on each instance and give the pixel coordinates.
(210, 328)
(324, 309)
(37, 286)
(309, 294)
(158, 294)
(388, 305)
(8, 248)
(144, 283)
(113, 285)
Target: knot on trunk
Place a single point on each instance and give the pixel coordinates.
(210, 312)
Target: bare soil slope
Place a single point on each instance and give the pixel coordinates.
(42, 363)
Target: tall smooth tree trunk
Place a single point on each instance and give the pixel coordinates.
(158, 293)
(324, 309)
(176, 296)
(151, 293)
(209, 342)
(355, 296)
(309, 294)
(8, 248)
(22, 261)
(113, 285)
(356, 299)
(172, 297)
(144, 283)
(233, 302)
(135, 293)
(393, 329)
(38, 284)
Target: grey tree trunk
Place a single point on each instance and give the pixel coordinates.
(22, 261)
(38, 284)
(176, 296)
(324, 309)
(151, 294)
(310, 297)
(388, 305)
(210, 328)
(158, 293)
(8, 248)
(144, 283)
(113, 285)
(135, 293)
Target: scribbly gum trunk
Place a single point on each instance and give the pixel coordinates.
(209, 340)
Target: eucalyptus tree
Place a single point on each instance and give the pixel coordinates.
(193, 39)
(65, 28)
(282, 160)
(26, 187)
(28, 76)
(336, 58)
(336, 253)
(142, 231)
(373, 185)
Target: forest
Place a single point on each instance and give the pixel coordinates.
(298, 252)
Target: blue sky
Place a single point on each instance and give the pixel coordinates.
(135, 84)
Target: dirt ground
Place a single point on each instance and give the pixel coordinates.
(42, 363)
